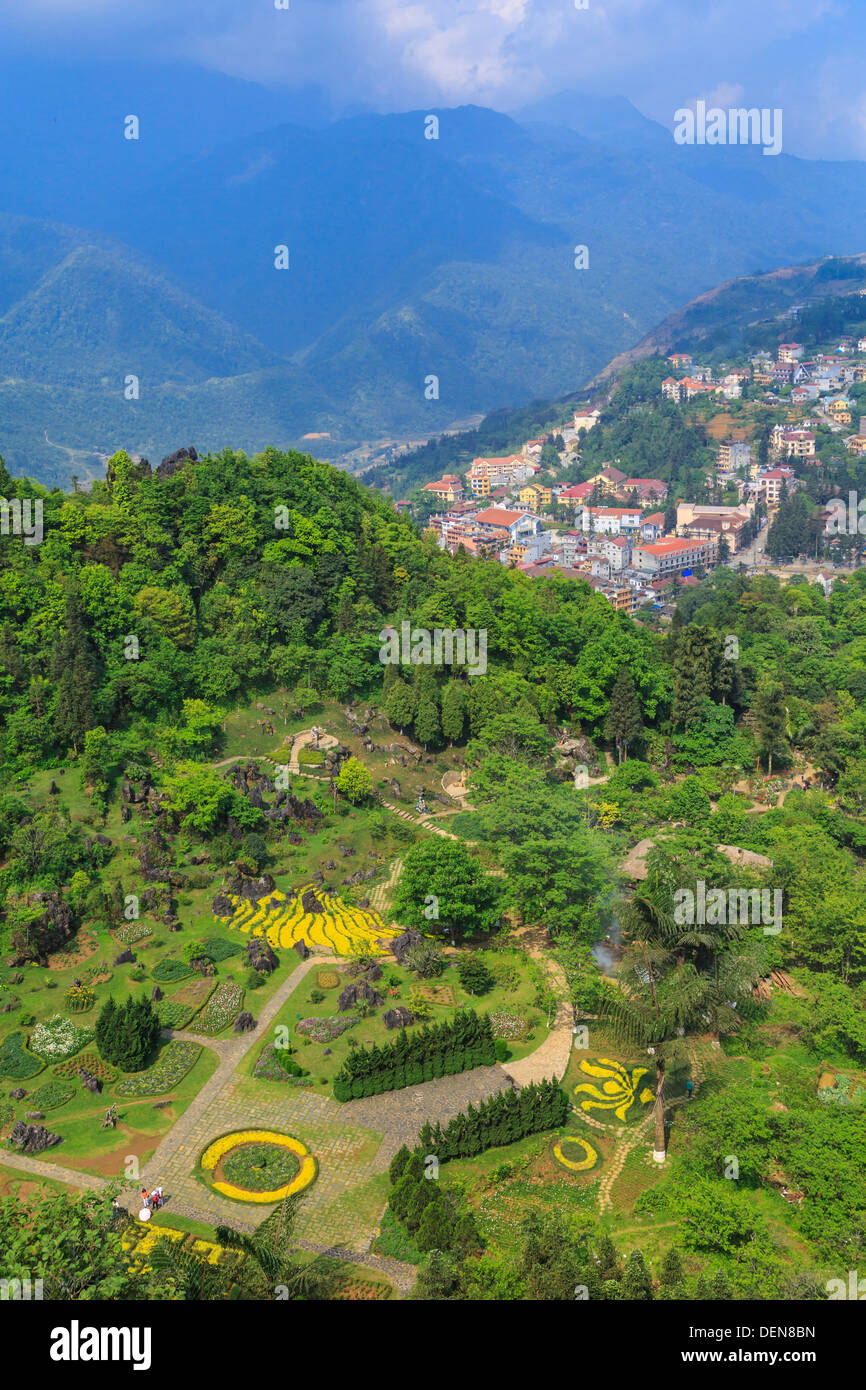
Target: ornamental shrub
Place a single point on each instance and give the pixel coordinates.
(474, 975)
(126, 1034)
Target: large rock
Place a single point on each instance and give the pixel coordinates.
(244, 1023)
(302, 949)
(353, 994)
(173, 463)
(222, 906)
(261, 956)
(400, 946)
(32, 1139)
(51, 929)
(90, 1081)
(398, 1018)
(252, 888)
(310, 903)
(125, 958)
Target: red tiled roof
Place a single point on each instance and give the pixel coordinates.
(578, 490)
(498, 516)
(668, 547)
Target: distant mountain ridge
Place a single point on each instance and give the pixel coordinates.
(715, 321)
(429, 280)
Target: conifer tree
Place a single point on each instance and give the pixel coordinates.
(624, 724)
(400, 704)
(453, 711)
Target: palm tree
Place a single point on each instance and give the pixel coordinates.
(673, 981)
(271, 1250)
(194, 1277)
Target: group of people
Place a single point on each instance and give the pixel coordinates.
(154, 1199)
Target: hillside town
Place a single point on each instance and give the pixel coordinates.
(637, 540)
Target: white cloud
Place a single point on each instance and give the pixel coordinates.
(393, 54)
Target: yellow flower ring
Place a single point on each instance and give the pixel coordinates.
(576, 1165)
(220, 1147)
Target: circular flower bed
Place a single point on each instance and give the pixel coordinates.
(260, 1167)
(223, 1154)
(575, 1154)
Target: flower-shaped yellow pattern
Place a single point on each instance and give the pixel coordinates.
(220, 1147)
(618, 1090)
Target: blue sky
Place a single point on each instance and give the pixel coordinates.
(804, 56)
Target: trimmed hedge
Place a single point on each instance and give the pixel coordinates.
(442, 1049)
(503, 1119)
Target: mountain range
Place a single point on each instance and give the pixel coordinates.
(409, 258)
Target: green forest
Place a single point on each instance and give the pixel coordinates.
(164, 606)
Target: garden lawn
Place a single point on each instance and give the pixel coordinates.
(139, 1129)
(397, 986)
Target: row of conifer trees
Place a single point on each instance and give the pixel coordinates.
(440, 1049)
(502, 1119)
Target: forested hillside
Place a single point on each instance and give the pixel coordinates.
(608, 766)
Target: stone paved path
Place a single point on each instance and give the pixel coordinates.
(426, 822)
(398, 1115)
(551, 1059)
(38, 1168)
(380, 897)
(628, 1139)
(301, 740)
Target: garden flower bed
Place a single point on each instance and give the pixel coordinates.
(169, 1069)
(618, 1093)
(221, 1009)
(277, 1064)
(508, 1025)
(359, 1290)
(260, 1167)
(80, 999)
(216, 1152)
(16, 1061)
(58, 1038)
(195, 993)
(218, 948)
(132, 932)
(172, 1014)
(339, 927)
(91, 1061)
(167, 970)
(323, 1030)
(51, 1096)
(575, 1154)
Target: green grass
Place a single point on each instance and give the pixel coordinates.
(140, 1124)
(259, 1167)
(311, 1055)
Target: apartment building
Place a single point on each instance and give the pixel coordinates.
(664, 559)
(734, 454)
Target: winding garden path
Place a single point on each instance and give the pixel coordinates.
(551, 1058)
(381, 895)
(628, 1139)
